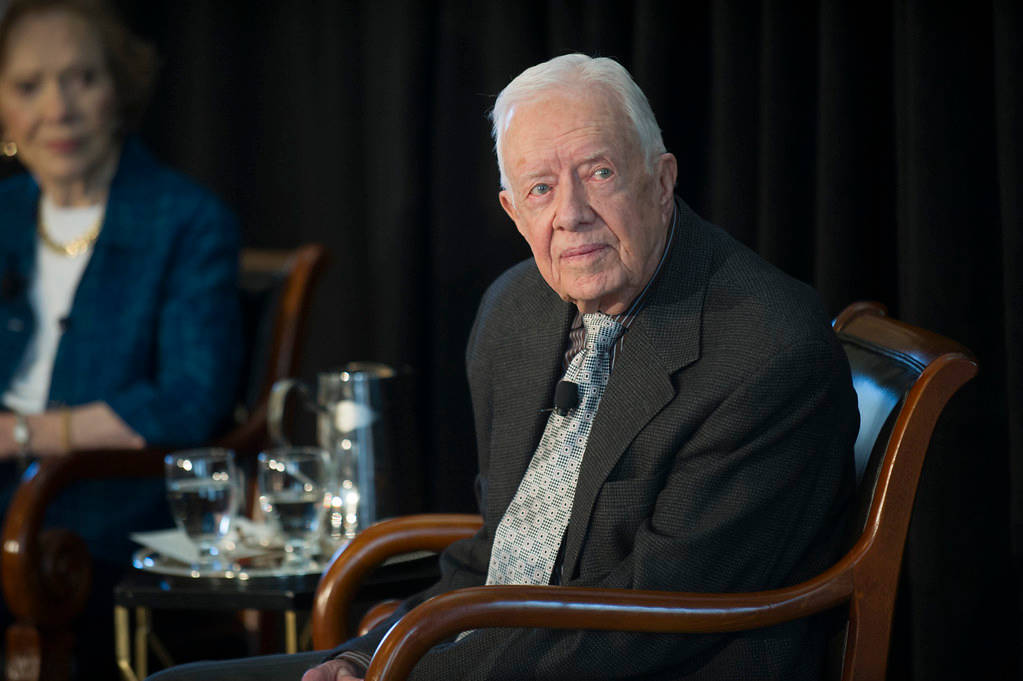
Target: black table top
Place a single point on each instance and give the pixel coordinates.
(294, 592)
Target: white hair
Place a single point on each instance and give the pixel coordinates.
(578, 70)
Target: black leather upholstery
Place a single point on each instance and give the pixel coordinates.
(881, 379)
(260, 292)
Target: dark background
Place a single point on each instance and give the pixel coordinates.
(870, 148)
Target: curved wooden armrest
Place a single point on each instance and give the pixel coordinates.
(372, 546)
(562, 607)
(46, 575)
(376, 615)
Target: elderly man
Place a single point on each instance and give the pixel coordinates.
(704, 422)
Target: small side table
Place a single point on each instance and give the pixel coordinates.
(143, 591)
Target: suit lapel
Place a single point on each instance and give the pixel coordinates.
(528, 375)
(663, 339)
(18, 232)
(17, 264)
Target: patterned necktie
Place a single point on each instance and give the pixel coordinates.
(529, 535)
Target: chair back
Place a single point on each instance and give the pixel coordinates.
(903, 377)
(275, 287)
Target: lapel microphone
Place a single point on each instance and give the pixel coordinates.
(566, 397)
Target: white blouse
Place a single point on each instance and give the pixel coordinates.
(51, 292)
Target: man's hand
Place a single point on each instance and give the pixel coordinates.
(332, 670)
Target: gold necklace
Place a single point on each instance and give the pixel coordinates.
(72, 248)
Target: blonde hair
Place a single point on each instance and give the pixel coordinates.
(132, 62)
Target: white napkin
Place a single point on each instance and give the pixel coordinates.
(174, 543)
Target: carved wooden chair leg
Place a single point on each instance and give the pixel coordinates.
(34, 655)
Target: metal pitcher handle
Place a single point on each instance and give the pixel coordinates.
(275, 410)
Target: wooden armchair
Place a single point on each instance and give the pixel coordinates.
(47, 572)
(903, 377)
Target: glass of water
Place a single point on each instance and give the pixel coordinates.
(204, 490)
(292, 493)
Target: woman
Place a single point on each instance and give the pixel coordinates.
(118, 283)
(118, 294)
(118, 277)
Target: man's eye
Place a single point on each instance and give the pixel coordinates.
(540, 189)
(602, 173)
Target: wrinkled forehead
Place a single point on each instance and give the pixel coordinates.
(553, 115)
(51, 37)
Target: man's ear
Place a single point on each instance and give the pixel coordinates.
(505, 197)
(666, 172)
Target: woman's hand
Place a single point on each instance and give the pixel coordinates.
(96, 426)
(59, 431)
(8, 447)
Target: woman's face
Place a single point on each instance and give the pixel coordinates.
(57, 99)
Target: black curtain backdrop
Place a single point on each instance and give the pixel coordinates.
(870, 148)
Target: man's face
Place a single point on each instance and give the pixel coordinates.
(581, 195)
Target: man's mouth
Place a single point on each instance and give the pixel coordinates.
(582, 252)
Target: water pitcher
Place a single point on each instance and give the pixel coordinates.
(349, 424)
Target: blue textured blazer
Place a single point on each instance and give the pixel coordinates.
(154, 328)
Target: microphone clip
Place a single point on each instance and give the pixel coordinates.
(566, 397)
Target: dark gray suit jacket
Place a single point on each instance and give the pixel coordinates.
(720, 460)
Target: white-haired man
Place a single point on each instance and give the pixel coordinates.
(706, 444)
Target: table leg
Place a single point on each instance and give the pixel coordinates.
(305, 639)
(290, 632)
(142, 631)
(159, 649)
(122, 645)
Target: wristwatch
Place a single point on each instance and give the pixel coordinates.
(22, 434)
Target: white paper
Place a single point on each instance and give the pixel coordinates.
(174, 543)
(168, 543)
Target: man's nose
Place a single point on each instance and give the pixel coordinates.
(573, 206)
